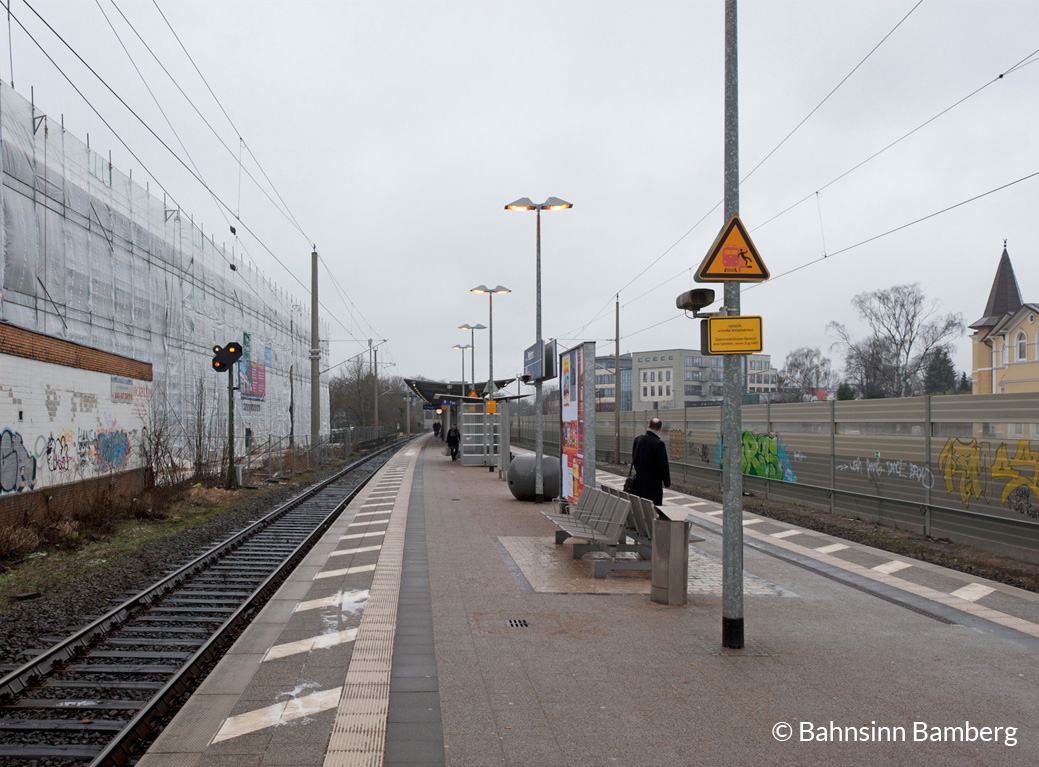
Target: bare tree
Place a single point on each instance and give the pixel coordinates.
(805, 370)
(905, 329)
(350, 396)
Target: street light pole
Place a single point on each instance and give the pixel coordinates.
(525, 203)
(472, 339)
(490, 321)
(462, 349)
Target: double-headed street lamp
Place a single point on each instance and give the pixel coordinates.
(462, 349)
(490, 333)
(525, 203)
(472, 338)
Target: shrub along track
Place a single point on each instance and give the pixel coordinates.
(96, 695)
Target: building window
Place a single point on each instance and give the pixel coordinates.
(670, 356)
(645, 376)
(643, 391)
(1022, 347)
(668, 394)
(667, 373)
(652, 376)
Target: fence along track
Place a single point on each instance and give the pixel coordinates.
(137, 662)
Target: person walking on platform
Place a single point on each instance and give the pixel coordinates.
(436, 428)
(453, 438)
(649, 457)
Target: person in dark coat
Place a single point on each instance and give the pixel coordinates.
(649, 457)
(436, 428)
(453, 438)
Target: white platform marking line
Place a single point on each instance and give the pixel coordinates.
(750, 522)
(892, 567)
(290, 710)
(354, 536)
(833, 547)
(345, 571)
(336, 600)
(785, 533)
(358, 550)
(372, 513)
(320, 642)
(697, 503)
(714, 513)
(972, 592)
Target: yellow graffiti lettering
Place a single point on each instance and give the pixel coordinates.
(1014, 470)
(960, 463)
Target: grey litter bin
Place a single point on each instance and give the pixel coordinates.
(670, 570)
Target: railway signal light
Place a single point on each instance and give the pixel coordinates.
(225, 356)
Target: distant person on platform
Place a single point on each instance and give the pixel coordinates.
(436, 428)
(453, 438)
(649, 457)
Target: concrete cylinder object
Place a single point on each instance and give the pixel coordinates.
(670, 570)
(521, 476)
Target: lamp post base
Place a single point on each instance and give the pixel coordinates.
(732, 633)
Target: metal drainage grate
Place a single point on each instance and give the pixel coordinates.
(518, 623)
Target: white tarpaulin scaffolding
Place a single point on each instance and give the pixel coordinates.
(91, 257)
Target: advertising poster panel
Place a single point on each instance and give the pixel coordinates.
(577, 419)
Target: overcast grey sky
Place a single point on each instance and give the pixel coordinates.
(397, 131)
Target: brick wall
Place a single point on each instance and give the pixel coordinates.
(36, 346)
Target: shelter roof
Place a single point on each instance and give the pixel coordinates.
(435, 392)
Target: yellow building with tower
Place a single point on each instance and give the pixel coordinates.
(1005, 343)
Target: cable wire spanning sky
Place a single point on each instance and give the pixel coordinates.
(881, 143)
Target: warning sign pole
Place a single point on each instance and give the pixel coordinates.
(732, 389)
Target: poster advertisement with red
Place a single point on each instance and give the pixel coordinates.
(571, 423)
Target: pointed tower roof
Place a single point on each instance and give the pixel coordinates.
(1004, 297)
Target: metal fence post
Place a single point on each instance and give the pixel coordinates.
(833, 456)
(927, 464)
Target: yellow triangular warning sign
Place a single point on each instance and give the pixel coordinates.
(732, 257)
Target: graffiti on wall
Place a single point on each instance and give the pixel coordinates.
(871, 468)
(764, 455)
(68, 455)
(972, 470)
(17, 465)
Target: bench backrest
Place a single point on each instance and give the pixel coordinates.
(616, 514)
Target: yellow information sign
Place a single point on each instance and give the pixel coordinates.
(732, 257)
(492, 407)
(737, 334)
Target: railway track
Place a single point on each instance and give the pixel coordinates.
(94, 697)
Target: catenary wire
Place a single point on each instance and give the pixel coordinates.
(767, 156)
(237, 158)
(150, 130)
(229, 120)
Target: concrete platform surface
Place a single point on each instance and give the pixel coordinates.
(440, 624)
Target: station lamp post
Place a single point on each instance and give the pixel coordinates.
(472, 339)
(462, 349)
(490, 333)
(525, 203)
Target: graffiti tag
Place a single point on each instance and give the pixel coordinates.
(17, 466)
